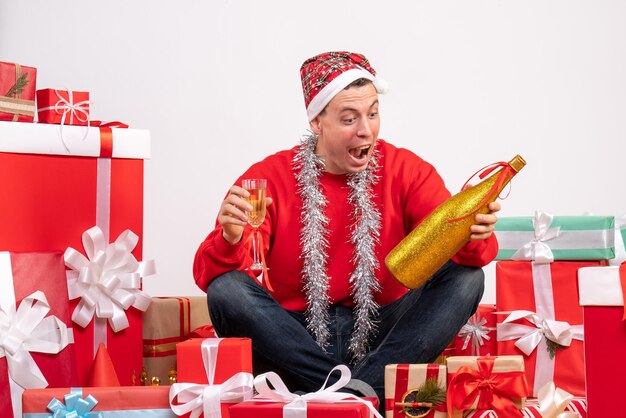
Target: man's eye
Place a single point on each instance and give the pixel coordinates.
(373, 115)
(348, 121)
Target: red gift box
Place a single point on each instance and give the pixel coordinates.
(57, 194)
(212, 361)
(353, 409)
(543, 298)
(402, 378)
(17, 92)
(275, 400)
(137, 400)
(478, 337)
(63, 107)
(602, 295)
(21, 274)
(229, 355)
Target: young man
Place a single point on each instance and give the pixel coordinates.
(337, 204)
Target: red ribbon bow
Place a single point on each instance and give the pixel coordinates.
(493, 390)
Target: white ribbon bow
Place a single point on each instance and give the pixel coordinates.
(199, 398)
(553, 401)
(296, 405)
(528, 337)
(27, 330)
(476, 332)
(537, 249)
(108, 281)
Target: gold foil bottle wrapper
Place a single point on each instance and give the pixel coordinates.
(435, 240)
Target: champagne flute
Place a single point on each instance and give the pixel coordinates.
(257, 189)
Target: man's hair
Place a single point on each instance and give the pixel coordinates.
(359, 82)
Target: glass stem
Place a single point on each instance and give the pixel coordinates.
(255, 246)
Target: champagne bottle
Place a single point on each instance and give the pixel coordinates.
(447, 229)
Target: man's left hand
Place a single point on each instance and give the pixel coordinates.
(485, 223)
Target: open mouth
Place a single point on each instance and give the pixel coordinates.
(361, 152)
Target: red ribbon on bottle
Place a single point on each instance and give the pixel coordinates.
(506, 172)
(256, 233)
(492, 390)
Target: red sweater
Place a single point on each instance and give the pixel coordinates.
(407, 191)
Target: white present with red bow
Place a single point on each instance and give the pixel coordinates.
(602, 295)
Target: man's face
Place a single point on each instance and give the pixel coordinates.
(348, 130)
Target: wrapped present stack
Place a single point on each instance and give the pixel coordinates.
(71, 240)
(537, 294)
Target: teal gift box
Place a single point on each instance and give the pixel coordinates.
(545, 238)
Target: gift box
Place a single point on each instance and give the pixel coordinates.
(232, 355)
(402, 381)
(167, 322)
(59, 190)
(620, 241)
(477, 337)
(31, 280)
(17, 92)
(602, 295)
(546, 238)
(546, 323)
(486, 383)
(216, 379)
(342, 409)
(274, 400)
(148, 401)
(63, 107)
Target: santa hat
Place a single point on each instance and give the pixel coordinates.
(325, 75)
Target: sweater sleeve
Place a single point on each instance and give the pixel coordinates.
(216, 256)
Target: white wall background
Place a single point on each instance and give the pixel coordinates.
(217, 83)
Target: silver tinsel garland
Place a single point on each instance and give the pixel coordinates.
(365, 235)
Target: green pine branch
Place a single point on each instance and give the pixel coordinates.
(553, 347)
(18, 87)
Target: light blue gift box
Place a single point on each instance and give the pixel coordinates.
(561, 237)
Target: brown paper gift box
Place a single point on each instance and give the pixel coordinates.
(168, 321)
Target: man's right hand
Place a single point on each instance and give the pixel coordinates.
(232, 214)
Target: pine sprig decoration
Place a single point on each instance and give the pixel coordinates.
(18, 87)
(431, 392)
(552, 347)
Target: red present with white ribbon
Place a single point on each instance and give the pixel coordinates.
(63, 107)
(34, 333)
(478, 337)
(59, 190)
(233, 355)
(602, 295)
(400, 379)
(214, 397)
(542, 321)
(327, 402)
